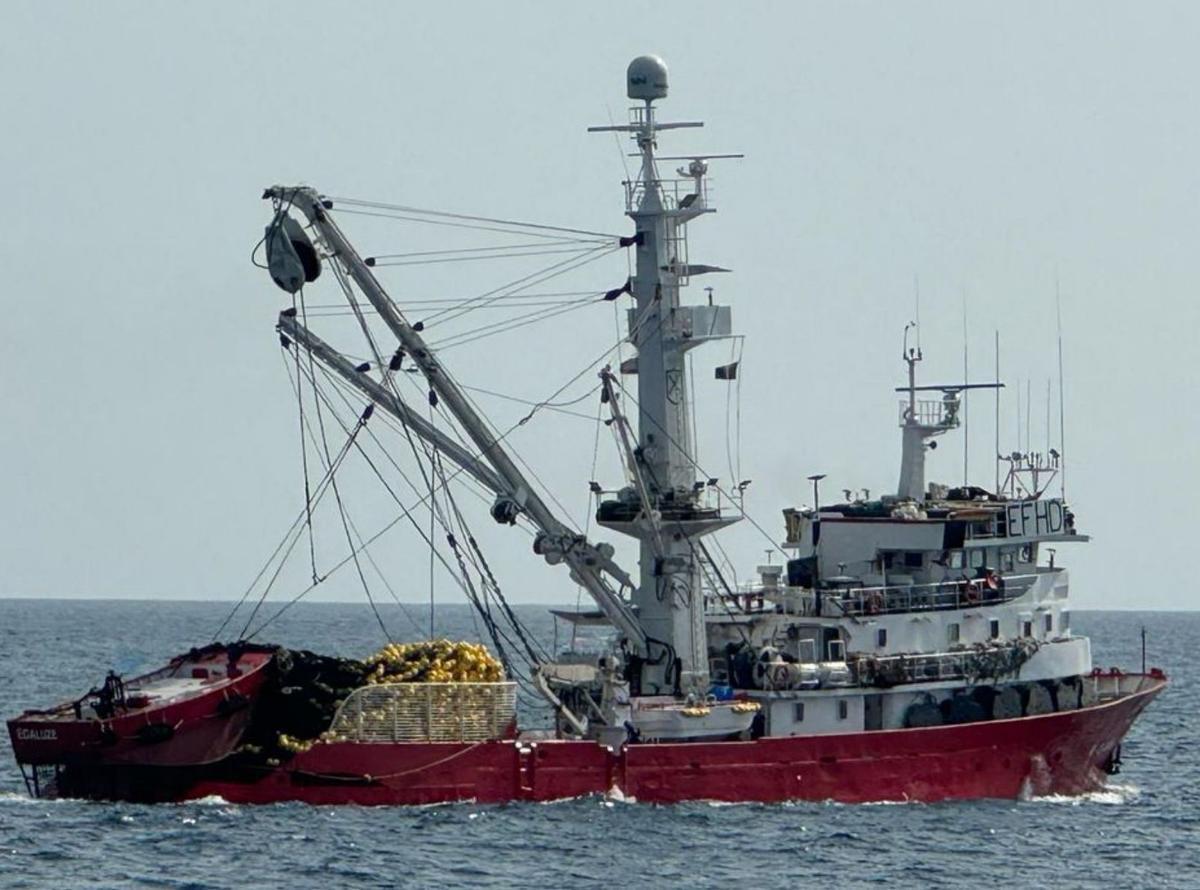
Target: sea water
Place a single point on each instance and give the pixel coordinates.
(1142, 830)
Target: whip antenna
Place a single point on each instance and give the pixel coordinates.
(965, 412)
(996, 459)
(1062, 412)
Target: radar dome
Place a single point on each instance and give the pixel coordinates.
(647, 78)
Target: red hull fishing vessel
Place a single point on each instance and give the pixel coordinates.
(1062, 753)
(912, 646)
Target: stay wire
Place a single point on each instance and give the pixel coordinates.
(337, 495)
(533, 227)
(407, 509)
(364, 545)
(517, 302)
(533, 278)
(587, 516)
(389, 381)
(479, 604)
(435, 516)
(559, 407)
(341, 387)
(471, 251)
(494, 585)
(297, 523)
(400, 217)
(381, 261)
(321, 489)
(375, 350)
(312, 547)
(501, 327)
(354, 528)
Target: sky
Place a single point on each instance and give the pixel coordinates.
(984, 156)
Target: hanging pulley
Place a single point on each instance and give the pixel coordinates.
(505, 510)
(291, 258)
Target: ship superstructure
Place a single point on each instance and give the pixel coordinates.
(914, 645)
(930, 606)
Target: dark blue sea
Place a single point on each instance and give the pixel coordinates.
(1143, 830)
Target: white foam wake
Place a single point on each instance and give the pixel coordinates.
(1109, 795)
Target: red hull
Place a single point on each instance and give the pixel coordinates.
(1060, 753)
(202, 726)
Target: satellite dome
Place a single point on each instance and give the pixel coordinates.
(647, 78)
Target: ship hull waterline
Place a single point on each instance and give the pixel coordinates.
(1067, 753)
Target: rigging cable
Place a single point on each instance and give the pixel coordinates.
(519, 321)
(518, 224)
(494, 585)
(286, 544)
(435, 513)
(312, 547)
(539, 276)
(337, 495)
(406, 513)
(396, 259)
(587, 516)
(321, 489)
(553, 406)
(358, 535)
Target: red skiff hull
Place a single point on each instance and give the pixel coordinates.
(197, 728)
(1059, 753)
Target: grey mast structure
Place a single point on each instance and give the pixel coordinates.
(670, 515)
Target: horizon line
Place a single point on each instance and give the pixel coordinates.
(424, 604)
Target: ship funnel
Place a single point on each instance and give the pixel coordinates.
(646, 78)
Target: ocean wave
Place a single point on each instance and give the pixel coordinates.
(22, 799)
(1109, 795)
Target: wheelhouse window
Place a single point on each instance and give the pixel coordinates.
(1006, 560)
(1026, 628)
(952, 633)
(843, 709)
(914, 559)
(1064, 621)
(994, 628)
(957, 559)
(976, 559)
(1027, 556)
(881, 637)
(798, 712)
(1049, 622)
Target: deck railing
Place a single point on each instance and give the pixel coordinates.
(962, 593)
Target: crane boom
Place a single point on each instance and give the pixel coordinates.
(556, 542)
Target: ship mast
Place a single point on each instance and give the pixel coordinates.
(669, 596)
(923, 420)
